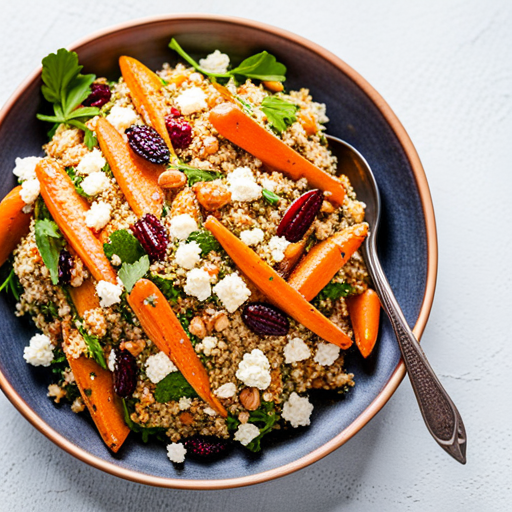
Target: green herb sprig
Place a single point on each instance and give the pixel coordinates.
(270, 197)
(205, 240)
(50, 242)
(173, 387)
(195, 175)
(130, 273)
(280, 113)
(125, 245)
(335, 291)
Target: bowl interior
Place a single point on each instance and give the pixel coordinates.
(402, 241)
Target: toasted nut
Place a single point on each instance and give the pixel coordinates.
(273, 86)
(243, 417)
(308, 122)
(250, 398)
(186, 418)
(197, 327)
(327, 207)
(172, 179)
(211, 195)
(178, 79)
(134, 347)
(185, 202)
(211, 145)
(317, 383)
(356, 210)
(221, 322)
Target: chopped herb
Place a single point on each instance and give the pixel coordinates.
(41, 211)
(77, 181)
(94, 349)
(270, 197)
(280, 114)
(92, 375)
(271, 278)
(88, 391)
(125, 245)
(335, 291)
(146, 432)
(90, 140)
(12, 285)
(173, 387)
(195, 175)
(246, 106)
(130, 273)
(184, 319)
(166, 286)
(49, 310)
(151, 300)
(205, 240)
(49, 241)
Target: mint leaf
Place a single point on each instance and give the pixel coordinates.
(195, 175)
(166, 286)
(270, 197)
(173, 387)
(262, 66)
(77, 181)
(130, 273)
(49, 241)
(93, 347)
(335, 291)
(206, 241)
(125, 245)
(280, 113)
(90, 139)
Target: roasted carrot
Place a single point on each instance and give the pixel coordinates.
(164, 329)
(146, 92)
(185, 202)
(68, 210)
(137, 178)
(14, 223)
(245, 132)
(84, 297)
(322, 262)
(364, 313)
(275, 287)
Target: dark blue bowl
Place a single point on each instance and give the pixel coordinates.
(407, 248)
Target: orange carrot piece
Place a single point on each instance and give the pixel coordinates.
(245, 132)
(84, 297)
(98, 395)
(165, 331)
(364, 313)
(146, 92)
(322, 262)
(137, 178)
(14, 223)
(68, 210)
(275, 287)
(292, 255)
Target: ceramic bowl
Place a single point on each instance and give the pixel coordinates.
(408, 247)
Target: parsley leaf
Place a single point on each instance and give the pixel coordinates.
(184, 319)
(280, 113)
(173, 387)
(93, 347)
(125, 245)
(270, 197)
(49, 242)
(12, 284)
(195, 175)
(130, 273)
(335, 291)
(146, 432)
(166, 286)
(205, 240)
(77, 181)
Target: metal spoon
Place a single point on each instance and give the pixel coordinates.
(439, 412)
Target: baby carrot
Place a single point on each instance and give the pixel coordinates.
(84, 297)
(364, 313)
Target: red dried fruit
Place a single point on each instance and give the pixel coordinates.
(100, 95)
(151, 234)
(65, 266)
(148, 143)
(300, 215)
(265, 319)
(206, 447)
(125, 373)
(179, 129)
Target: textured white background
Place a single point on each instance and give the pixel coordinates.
(445, 67)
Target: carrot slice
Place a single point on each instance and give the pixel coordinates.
(137, 178)
(364, 312)
(292, 255)
(68, 210)
(146, 92)
(165, 331)
(245, 132)
(275, 287)
(322, 262)
(84, 297)
(14, 223)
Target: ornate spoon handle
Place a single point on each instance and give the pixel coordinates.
(439, 412)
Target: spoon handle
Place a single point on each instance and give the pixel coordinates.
(439, 412)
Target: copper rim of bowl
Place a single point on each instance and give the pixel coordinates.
(399, 372)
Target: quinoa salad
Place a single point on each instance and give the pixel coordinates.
(188, 250)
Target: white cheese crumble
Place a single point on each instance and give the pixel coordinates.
(296, 350)
(98, 215)
(209, 343)
(297, 410)
(188, 255)
(242, 185)
(91, 162)
(192, 100)
(158, 367)
(111, 363)
(254, 370)
(277, 246)
(30, 190)
(122, 118)
(108, 293)
(326, 354)
(182, 226)
(232, 292)
(40, 351)
(184, 403)
(176, 452)
(319, 110)
(209, 411)
(227, 390)
(25, 168)
(198, 284)
(216, 62)
(252, 236)
(95, 183)
(246, 433)
(269, 184)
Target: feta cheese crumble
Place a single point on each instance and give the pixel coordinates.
(326, 354)
(30, 190)
(296, 350)
(182, 226)
(176, 452)
(158, 367)
(216, 62)
(91, 162)
(188, 255)
(254, 370)
(40, 351)
(95, 183)
(111, 363)
(246, 433)
(184, 403)
(122, 118)
(232, 292)
(269, 184)
(98, 215)
(192, 100)
(297, 410)
(198, 284)
(252, 236)
(209, 411)
(227, 390)
(108, 293)
(277, 246)
(209, 343)
(25, 168)
(242, 185)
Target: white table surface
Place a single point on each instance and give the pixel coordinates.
(445, 67)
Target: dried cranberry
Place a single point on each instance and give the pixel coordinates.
(100, 95)
(179, 129)
(125, 373)
(265, 319)
(300, 215)
(152, 236)
(206, 447)
(65, 266)
(148, 144)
